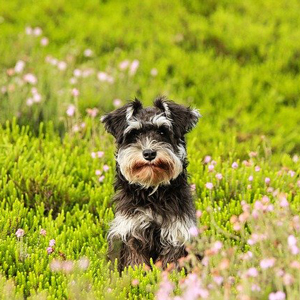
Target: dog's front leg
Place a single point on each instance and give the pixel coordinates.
(171, 254)
(134, 252)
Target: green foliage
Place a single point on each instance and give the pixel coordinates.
(237, 61)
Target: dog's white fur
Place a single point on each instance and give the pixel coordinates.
(128, 157)
(175, 233)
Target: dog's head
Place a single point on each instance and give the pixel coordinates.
(151, 141)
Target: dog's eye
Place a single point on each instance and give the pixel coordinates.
(133, 132)
(162, 131)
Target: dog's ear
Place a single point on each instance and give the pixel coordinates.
(184, 118)
(116, 121)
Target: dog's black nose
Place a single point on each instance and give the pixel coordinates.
(149, 154)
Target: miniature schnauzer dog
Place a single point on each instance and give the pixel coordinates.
(154, 207)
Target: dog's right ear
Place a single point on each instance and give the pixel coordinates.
(116, 121)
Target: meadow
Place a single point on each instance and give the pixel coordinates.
(65, 63)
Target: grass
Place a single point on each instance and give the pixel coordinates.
(238, 62)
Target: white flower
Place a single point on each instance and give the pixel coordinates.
(19, 67)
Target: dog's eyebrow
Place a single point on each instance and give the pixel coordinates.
(133, 123)
(160, 120)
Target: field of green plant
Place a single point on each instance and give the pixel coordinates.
(65, 63)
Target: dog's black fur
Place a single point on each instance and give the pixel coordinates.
(154, 207)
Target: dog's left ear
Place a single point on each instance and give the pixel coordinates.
(116, 121)
(184, 118)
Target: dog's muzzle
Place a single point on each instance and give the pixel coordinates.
(149, 167)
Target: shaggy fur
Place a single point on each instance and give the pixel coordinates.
(154, 207)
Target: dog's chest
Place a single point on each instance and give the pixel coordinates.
(173, 231)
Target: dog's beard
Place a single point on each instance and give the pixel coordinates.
(165, 167)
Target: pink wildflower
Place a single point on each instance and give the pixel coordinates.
(277, 296)
(88, 53)
(252, 272)
(83, 263)
(253, 154)
(75, 128)
(100, 154)
(193, 288)
(44, 41)
(87, 72)
(283, 201)
(92, 112)
(250, 178)
(267, 180)
(37, 31)
(19, 67)
(50, 250)
(73, 80)
(236, 226)
(110, 79)
(295, 264)
(257, 169)
(217, 245)
(105, 168)
(124, 64)
(29, 102)
(133, 67)
(117, 102)
(67, 266)
(77, 73)
(291, 173)
(211, 168)
(75, 92)
(102, 76)
(135, 282)
(288, 279)
(28, 30)
(98, 172)
(30, 78)
(165, 288)
(154, 72)
(292, 241)
(247, 163)
(3, 89)
(93, 154)
(218, 279)
(194, 231)
(198, 213)
(209, 185)
(37, 98)
(101, 178)
(193, 187)
(279, 273)
(61, 65)
(207, 159)
(20, 233)
(267, 263)
(219, 176)
(52, 243)
(43, 232)
(294, 250)
(234, 165)
(255, 288)
(55, 264)
(71, 110)
(248, 255)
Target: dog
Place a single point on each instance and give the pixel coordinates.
(153, 203)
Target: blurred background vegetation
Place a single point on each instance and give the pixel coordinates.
(65, 63)
(237, 61)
